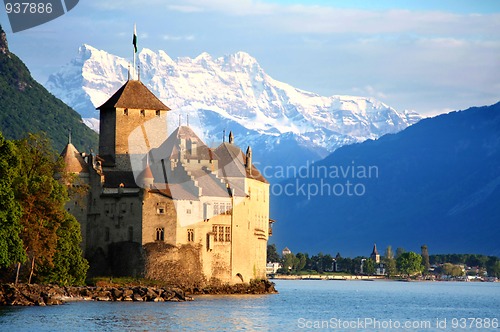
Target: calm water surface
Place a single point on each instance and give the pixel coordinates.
(324, 304)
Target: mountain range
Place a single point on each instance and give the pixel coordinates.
(436, 183)
(27, 107)
(284, 125)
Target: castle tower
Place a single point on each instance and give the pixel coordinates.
(76, 178)
(132, 122)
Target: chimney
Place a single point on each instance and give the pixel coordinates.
(248, 165)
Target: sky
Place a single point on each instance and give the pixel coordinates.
(428, 56)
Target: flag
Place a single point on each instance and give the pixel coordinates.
(134, 40)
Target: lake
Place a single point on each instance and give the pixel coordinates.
(300, 305)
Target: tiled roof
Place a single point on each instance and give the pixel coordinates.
(134, 94)
(73, 161)
(171, 147)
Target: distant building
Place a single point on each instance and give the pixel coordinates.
(285, 251)
(272, 268)
(167, 207)
(375, 255)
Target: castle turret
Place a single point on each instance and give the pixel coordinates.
(248, 164)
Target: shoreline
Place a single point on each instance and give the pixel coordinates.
(47, 295)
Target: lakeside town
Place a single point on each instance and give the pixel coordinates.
(400, 265)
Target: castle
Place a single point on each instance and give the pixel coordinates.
(167, 208)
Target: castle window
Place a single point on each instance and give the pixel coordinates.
(214, 230)
(190, 235)
(221, 233)
(125, 111)
(157, 113)
(216, 209)
(131, 233)
(143, 113)
(188, 211)
(228, 208)
(160, 208)
(160, 234)
(106, 234)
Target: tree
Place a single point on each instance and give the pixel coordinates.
(389, 262)
(369, 267)
(399, 252)
(452, 270)
(11, 245)
(409, 263)
(425, 258)
(272, 254)
(288, 262)
(70, 268)
(301, 261)
(42, 199)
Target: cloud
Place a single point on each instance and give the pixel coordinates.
(178, 38)
(185, 9)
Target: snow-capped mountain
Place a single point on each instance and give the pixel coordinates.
(282, 123)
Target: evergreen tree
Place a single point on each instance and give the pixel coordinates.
(399, 252)
(389, 262)
(272, 254)
(425, 258)
(11, 245)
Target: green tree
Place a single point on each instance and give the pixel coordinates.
(369, 267)
(272, 254)
(11, 245)
(389, 262)
(425, 258)
(399, 252)
(301, 261)
(452, 270)
(409, 263)
(70, 268)
(42, 199)
(288, 262)
(493, 267)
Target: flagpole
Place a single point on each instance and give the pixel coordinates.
(134, 43)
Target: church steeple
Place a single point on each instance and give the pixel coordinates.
(375, 255)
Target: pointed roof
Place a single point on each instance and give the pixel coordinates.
(374, 251)
(134, 94)
(232, 163)
(171, 147)
(73, 161)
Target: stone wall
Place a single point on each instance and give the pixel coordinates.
(180, 266)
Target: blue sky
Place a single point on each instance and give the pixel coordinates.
(427, 56)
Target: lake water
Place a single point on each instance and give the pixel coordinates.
(300, 305)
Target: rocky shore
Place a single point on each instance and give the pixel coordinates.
(42, 295)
